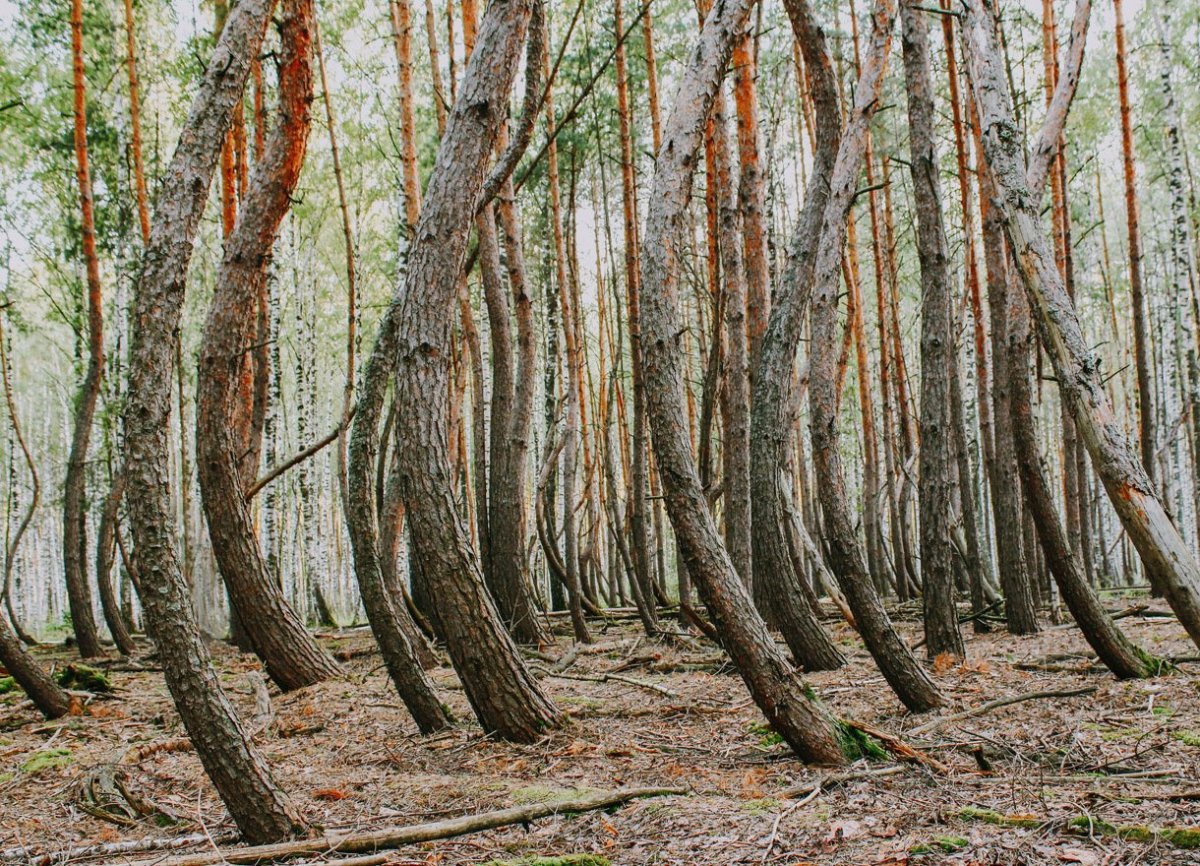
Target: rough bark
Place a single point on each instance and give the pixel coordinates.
(775, 580)
(259, 808)
(936, 486)
(505, 696)
(74, 540)
(735, 390)
(1168, 560)
(775, 686)
(277, 634)
(847, 560)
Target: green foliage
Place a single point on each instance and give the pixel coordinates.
(7, 684)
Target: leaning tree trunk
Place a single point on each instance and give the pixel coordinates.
(505, 696)
(895, 660)
(774, 684)
(259, 808)
(770, 431)
(277, 634)
(79, 593)
(936, 484)
(1168, 560)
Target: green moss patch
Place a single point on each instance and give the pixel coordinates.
(857, 744)
(561, 860)
(83, 678)
(1179, 837)
(47, 759)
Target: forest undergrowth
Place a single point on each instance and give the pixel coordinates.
(1104, 772)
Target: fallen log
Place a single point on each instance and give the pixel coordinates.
(386, 838)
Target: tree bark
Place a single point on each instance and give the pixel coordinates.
(277, 634)
(505, 696)
(936, 487)
(75, 556)
(775, 686)
(895, 660)
(259, 808)
(774, 578)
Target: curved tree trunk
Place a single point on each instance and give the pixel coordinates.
(1170, 563)
(506, 698)
(775, 686)
(936, 487)
(774, 578)
(259, 808)
(79, 593)
(895, 660)
(277, 634)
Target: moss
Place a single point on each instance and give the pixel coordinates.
(856, 744)
(1187, 838)
(542, 794)
(1153, 665)
(944, 844)
(1188, 738)
(767, 736)
(83, 678)
(761, 807)
(46, 759)
(7, 684)
(561, 860)
(991, 816)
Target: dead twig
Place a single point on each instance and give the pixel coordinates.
(996, 704)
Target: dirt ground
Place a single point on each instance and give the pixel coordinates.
(1069, 770)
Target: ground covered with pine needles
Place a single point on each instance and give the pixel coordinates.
(1106, 773)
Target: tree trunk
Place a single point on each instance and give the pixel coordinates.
(573, 380)
(735, 392)
(936, 487)
(75, 556)
(278, 635)
(638, 477)
(895, 660)
(774, 578)
(1137, 295)
(1172, 566)
(775, 686)
(504, 695)
(259, 808)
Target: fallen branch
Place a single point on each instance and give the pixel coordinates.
(996, 704)
(109, 850)
(616, 678)
(369, 841)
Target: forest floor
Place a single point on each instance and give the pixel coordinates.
(1066, 773)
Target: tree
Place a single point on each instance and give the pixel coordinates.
(223, 429)
(505, 697)
(75, 549)
(847, 561)
(1167, 559)
(259, 808)
(774, 577)
(937, 346)
(775, 686)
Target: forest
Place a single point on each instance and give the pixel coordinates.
(599, 432)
